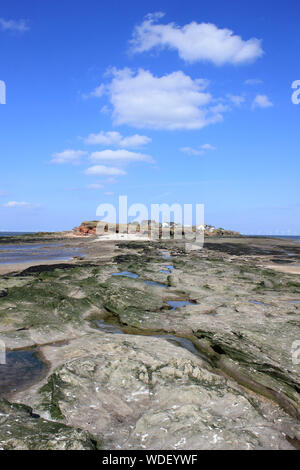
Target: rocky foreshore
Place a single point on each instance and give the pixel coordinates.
(143, 345)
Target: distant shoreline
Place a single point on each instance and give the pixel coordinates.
(283, 237)
(291, 237)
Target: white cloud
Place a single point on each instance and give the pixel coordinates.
(99, 91)
(68, 156)
(18, 26)
(120, 156)
(253, 81)
(195, 41)
(94, 186)
(237, 100)
(117, 140)
(192, 151)
(135, 140)
(208, 147)
(105, 109)
(173, 101)
(109, 193)
(219, 108)
(96, 93)
(261, 101)
(19, 204)
(200, 151)
(104, 170)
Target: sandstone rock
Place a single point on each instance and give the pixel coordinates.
(142, 392)
(139, 391)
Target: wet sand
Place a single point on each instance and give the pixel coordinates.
(285, 269)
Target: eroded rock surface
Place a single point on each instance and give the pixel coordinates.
(20, 429)
(143, 392)
(134, 390)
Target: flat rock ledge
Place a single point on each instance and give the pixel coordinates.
(138, 389)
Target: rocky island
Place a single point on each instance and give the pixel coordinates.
(142, 345)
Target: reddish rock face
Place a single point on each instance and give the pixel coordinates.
(85, 229)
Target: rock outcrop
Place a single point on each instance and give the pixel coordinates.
(86, 228)
(97, 228)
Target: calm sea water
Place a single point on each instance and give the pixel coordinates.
(12, 234)
(34, 252)
(11, 254)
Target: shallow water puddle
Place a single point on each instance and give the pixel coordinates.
(178, 303)
(153, 283)
(258, 302)
(107, 328)
(126, 274)
(168, 267)
(178, 341)
(165, 255)
(183, 343)
(22, 369)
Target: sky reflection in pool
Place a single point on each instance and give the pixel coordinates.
(126, 274)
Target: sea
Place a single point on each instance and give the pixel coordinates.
(34, 252)
(12, 234)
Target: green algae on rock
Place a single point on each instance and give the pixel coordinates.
(21, 429)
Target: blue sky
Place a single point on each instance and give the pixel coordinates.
(115, 98)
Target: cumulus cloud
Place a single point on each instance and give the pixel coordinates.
(195, 41)
(104, 170)
(17, 26)
(68, 156)
(200, 151)
(120, 156)
(117, 140)
(173, 101)
(19, 204)
(261, 101)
